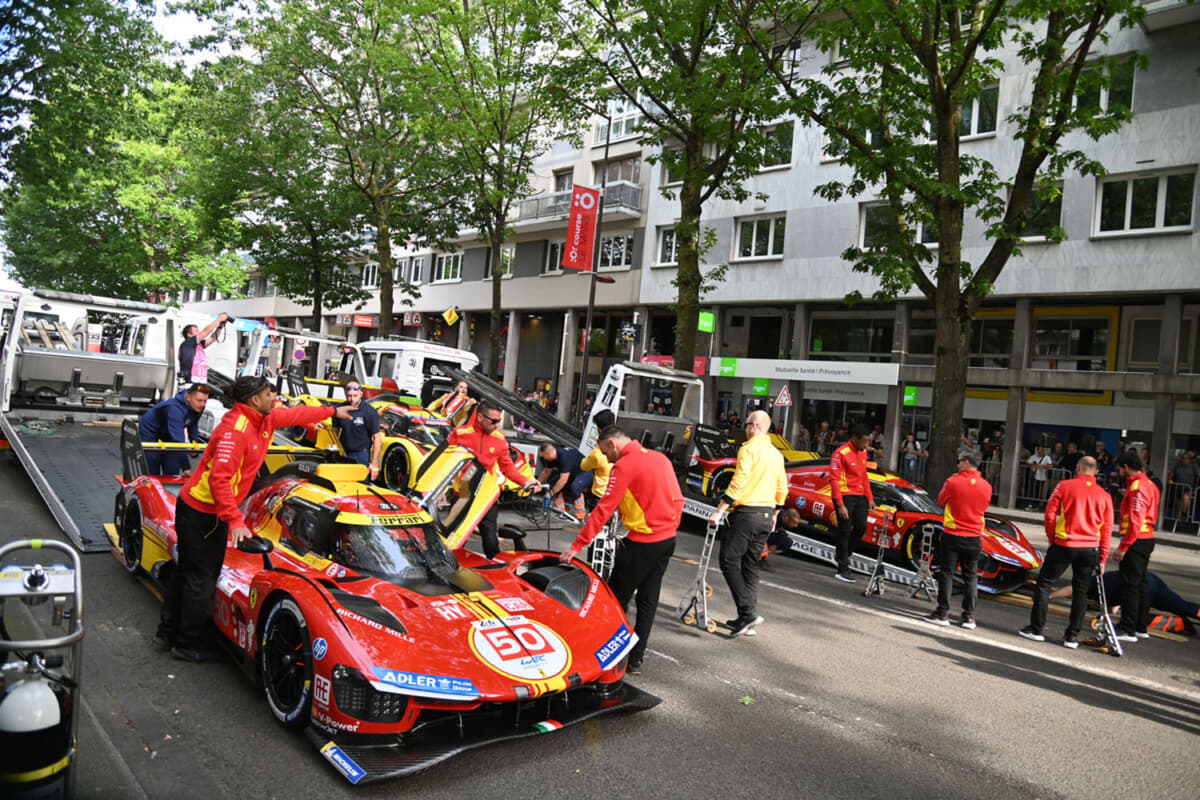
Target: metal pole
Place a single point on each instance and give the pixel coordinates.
(581, 401)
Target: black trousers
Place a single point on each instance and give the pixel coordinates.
(960, 551)
(487, 531)
(741, 546)
(638, 569)
(850, 530)
(1135, 593)
(1082, 561)
(199, 554)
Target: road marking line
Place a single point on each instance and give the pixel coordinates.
(918, 623)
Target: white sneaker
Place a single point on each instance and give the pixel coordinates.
(1143, 634)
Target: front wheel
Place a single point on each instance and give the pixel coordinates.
(130, 535)
(395, 469)
(285, 657)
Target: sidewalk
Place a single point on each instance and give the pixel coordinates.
(1031, 524)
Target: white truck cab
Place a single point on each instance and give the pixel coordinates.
(405, 366)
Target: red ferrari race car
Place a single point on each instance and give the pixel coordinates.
(391, 648)
(903, 510)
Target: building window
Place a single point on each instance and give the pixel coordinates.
(1117, 96)
(1045, 214)
(447, 267)
(415, 268)
(979, 113)
(616, 252)
(843, 338)
(399, 270)
(786, 58)
(621, 169)
(991, 342)
(564, 181)
(761, 238)
(1071, 343)
(506, 263)
(879, 225)
(777, 151)
(1146, 203)
(668, 246)
(249, 290)
(370, 275)
(626, 119)
(672, 172)
(554, 256)
(1145, 338)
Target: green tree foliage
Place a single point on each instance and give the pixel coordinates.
(495, 67)
(301, 223)
(115, 206)
(892, 106)
(704, 98)
(350, 72)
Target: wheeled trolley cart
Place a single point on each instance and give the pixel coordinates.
(693, 608)
(39, 707)
(1105, 640)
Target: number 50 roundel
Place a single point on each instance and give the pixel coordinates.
(520, 648)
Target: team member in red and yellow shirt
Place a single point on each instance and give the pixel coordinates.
(643, 484)
(207, 509)
(965, 497)
(1139, 515)
(483, 438)
(1079, 520)
(851, 489)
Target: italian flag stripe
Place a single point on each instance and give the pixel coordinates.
(547, 726)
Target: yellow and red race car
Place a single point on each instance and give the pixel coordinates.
(370, 627)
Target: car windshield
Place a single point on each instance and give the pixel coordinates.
(423, 431)
(904, 498)
(400, 554)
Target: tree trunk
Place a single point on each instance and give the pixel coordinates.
(688, 279)
(495, 241)
(383, 255)
(949, 384)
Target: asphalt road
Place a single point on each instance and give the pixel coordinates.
(839, 696)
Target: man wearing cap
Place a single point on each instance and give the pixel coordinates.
(360, 435)
(483, 438)
(174, 420)
(964, 498)
(207, 511)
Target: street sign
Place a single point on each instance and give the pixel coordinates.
(298, 354)
(706, 322)
(762, 387)
(784, 398)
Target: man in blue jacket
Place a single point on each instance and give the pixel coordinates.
(176, 419)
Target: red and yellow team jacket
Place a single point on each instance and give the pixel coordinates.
(964, 498)
(1139, 510)
(643, 483)
(1080, 514)
(234, 454)
(490, 449)
(848, 473)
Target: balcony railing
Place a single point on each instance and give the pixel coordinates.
(621, 195)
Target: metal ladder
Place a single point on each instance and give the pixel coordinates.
(693, 608)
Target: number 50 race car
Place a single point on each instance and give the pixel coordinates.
(393, 651)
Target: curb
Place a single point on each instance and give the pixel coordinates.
(1186, 541)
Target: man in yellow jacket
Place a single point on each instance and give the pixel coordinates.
(756, 492)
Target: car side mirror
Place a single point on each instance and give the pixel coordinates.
(256, 545)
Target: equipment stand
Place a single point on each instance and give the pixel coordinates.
(1106, 640)
(693, 608)
(924, 581)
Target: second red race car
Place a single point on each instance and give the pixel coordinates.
(903, 511)
(392, 649)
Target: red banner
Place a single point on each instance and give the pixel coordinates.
(699, 363)
(581, 229)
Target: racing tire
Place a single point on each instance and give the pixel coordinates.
(911, 548)
(118, 511)
(719, 483)
(286, 664)
(395, 469)
(130, 536)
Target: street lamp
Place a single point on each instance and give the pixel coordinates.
(580, 401)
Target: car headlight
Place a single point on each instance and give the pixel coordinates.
(356, 697)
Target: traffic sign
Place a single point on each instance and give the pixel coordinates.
(298, 354)
(785, 397)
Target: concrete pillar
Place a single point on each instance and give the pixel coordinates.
(798, 351)
(642, 345)
(895, 398)
(1014, 421)
(512, 349)
(713, 350)
(464, 331)
(569, 363)
(1164, 404)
